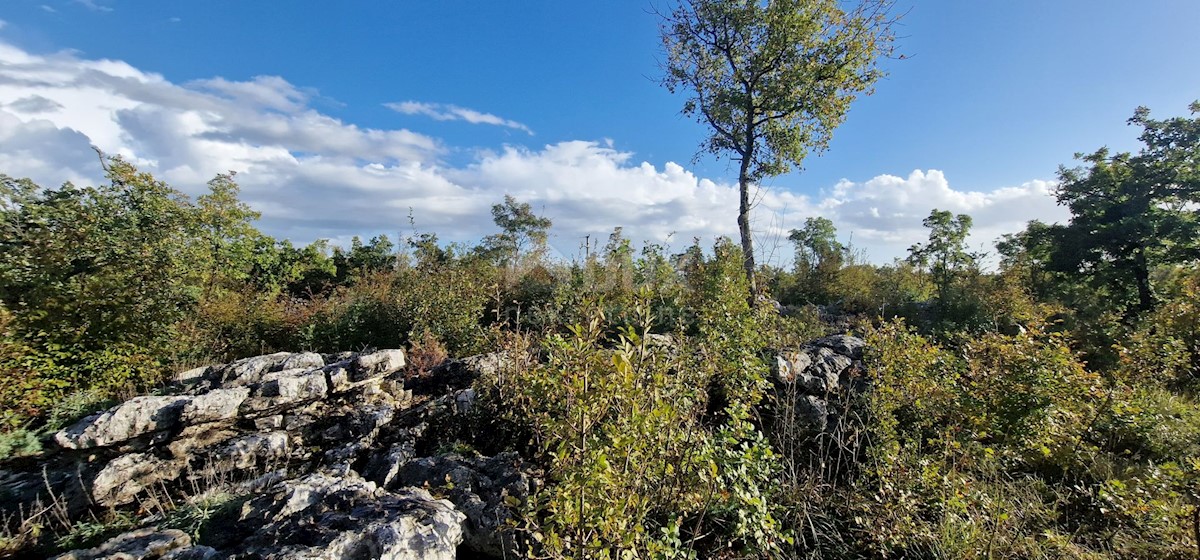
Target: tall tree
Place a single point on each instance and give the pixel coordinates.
(819, 256)
(817, 245)
(1130, 213)
(771, 79)
(521, 232)
(945, 255)
(89, 267)
(225, 226)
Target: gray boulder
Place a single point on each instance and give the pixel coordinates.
(483, 488)
(846, 345)
(323, 517)
(213, 406)
(303, 360)
(133, 418)
(807, 378)
(248, 371)
(377, 364)
(148, 543)
(123, 478)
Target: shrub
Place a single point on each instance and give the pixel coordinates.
(651, 450)
(386, 310)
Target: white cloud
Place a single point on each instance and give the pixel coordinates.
(314, 176)
(94, 6)
(34, 104)
(48, 8)
(885, 213)
(443, 112)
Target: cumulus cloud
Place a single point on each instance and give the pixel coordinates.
(34, 104)
(885, 213)
(314, 176)
(443, 112)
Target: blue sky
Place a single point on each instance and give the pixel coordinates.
(342, 117)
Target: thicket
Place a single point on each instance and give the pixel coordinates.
(1009, 413)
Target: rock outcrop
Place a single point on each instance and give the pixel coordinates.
(320, 451)
(331, 456)
(814, 383)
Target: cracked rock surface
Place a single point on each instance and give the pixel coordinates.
(313, 456)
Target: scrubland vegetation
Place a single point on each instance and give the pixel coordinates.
(1046, 409)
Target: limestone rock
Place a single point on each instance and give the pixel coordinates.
(850, 346)
(133, 418)
(322, 517)
(790, 364)
(384, 467)
(303, 360)
(248, 451)
(481, 488)
(295, 385)
(192, 375)
(284, 390)
(250, 370)
(123, 478)
(377, 364)
(214, 406)
(147, 543)
(812, 412)
(810, 377)
(459, 374)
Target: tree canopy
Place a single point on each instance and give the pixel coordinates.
(1130, 213)
(771, 79)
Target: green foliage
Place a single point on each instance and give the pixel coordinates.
(818, 260)
(224, 228)
(1165, 348)
(364, 259)
(387, 310)
(945, 255)
(97, 266)
(1010, 447)
(982, 430)
(771, 80)
(522, 234)
(1130, 213)
(650, 449)
(619, 430)
(18, 442)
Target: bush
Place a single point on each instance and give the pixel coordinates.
(387, 310)
(650, 450)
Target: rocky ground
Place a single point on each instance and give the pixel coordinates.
(318, 456)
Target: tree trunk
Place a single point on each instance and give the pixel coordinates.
(1141, 274)
(744, 227)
